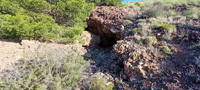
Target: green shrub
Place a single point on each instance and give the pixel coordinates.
(72, 33)
(55, 68)
(169, 30)
(74, 12)
(168, 27)
(26, 27)
(7, 7)
(154, 10)
(107, 2)
(167, 51)
(164, 48)
(137, 31)
(141, 20)
(101, 84)
(172, 3)
(113, 2)
(192, 13)
(23, 19)
(32, 26)
(97, 2)
(150, 40)
(171, 13)
(34, 5)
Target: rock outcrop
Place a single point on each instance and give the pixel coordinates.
(139, 61)
(107, 22)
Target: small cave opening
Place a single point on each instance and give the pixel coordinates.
(107, 42)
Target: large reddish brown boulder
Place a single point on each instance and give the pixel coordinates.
(107, 22)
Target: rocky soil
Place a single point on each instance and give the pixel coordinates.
(135, 66)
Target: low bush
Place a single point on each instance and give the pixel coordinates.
(168, 30)
(55, 68)
(166, 50)
(74, 12)
(172, 3)
(154, 10)
(107, 2)
(101, 84)
(7, 7)
(171, 13)
(150, 40)
(168, 27)
(192, 13)
(34, 5)
(26, 27)
(28, 19)
(72, 34)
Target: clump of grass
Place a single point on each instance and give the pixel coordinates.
(172, 3)
(171, 13)
(146, 40)
(150, 40)
(192, 13)
(137, 30)
(46, 69)
(194, 46)
(164, 48)
(154, 10)
(166, 3)
(167, 51)
(101, 84)
(140, 20)
(128, 23)
(170, 28)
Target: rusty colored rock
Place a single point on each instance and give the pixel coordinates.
(106, 21)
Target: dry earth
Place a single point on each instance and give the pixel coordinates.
(11, 52)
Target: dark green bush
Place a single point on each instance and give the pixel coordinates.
(74, 12)
(34, 5)
(23, 19)
(107, 2)
(113, 2)
(26, 27)
(7, 7)
(71, 34)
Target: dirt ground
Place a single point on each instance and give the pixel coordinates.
(10, 52)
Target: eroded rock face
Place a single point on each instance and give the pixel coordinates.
(107, 22)
(139, 61)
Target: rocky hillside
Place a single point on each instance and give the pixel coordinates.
(146, 45)
(157, 48)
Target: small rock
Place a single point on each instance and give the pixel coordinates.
(76, 88)
(88, 55)
(116, 80)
